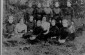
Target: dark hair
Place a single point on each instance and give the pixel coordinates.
(45, 16)
(20, 20)
(52, 20)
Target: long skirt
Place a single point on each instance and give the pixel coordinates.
(63, 34)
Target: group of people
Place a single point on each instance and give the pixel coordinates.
(40, 29)
(41, 24)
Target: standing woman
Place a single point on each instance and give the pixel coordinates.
(39, 11)
(69, 9)
(20, 28)
(9, 27)
(30, 8)
(48, 11)
(56, 9)
(28, 12)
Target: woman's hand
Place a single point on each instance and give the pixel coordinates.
(33, 37)
(46, 32)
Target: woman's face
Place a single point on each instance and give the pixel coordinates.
(48, 5)
(22, 20)
(31, 18)
(57, 4)
(38, 23)
(68, 4)
(65, 23)
(30, 4)
(44, 19)
(10, 20)
(53, 22)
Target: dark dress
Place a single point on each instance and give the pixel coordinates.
(48, 11)
(9, 30)
(39, 13)
(30, 25)
(64, 33)
(26, 17)
(56, 12)
(37, 31)
(40, 34)
(58, 24)
(54, 31)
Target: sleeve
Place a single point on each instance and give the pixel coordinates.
(4, 28)
(16, 29)
(34, 24)
(34, 31)
(25, 29)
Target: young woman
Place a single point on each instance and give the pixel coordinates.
(37, 31)
(45, 25)
(47, 10)
(64, 32)
(54, 30)
(56, 9)
(39, 11)
(20, 28)
(28, 12)
(30, 9)
(46, 28)
(9, 30)
(30, 24)
(71, 29)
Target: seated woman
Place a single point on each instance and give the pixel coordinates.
(63, 32)
(30, 24)
(37, 31)
(56, 9)
(20, 28)
(68, 30)
(45, 26)
(9, 27)
(54, 30)
(71, 29)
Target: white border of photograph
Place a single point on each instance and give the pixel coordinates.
(1, 23)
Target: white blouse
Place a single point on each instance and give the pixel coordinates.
(20, 28)
(45, 25)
